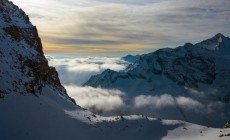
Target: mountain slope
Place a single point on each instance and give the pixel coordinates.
(197, 73)
(34, 105)
(24, 69)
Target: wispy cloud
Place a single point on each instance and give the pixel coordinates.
(166, 100)
(188, 104)
(97, 100)
(100, 25)
(154, 101)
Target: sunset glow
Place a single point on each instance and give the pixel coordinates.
(89, 26)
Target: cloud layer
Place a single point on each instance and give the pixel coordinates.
(96, 99)
(78, 70)
(127, 25)
(73, 72)
(166, 100)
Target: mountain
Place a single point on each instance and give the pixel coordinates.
(24, 69)
(198, 73)
(131, 58)
(34, 105)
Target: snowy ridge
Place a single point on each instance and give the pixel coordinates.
(51, 117)
(131, 58)
(34, 105)
(212, 43)
(192, 72)
(11, 15)
(24, 69)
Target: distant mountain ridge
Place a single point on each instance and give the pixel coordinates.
(166, 61)
(202, 67)
(35, 106)
(131, 58)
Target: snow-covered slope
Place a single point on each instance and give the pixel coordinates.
(35, 106)
(212, 43)
(197, 73)
(24, 69)
(51, 117)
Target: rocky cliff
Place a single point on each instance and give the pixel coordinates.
(24, 69)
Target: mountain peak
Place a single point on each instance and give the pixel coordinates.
(213, 43)
(219, 35)
(12, 15)
(21, 56)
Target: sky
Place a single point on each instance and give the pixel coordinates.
(119, 27)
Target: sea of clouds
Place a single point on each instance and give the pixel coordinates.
(74, 72)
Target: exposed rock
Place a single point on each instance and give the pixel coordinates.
(29, 35)
(186, 66)
(227, 125)
(21, 56)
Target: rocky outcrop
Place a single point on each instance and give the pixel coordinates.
(227, 125)
(24, 68)
(29, 35)
(12, 14)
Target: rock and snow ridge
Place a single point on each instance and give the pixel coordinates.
(24, 69)
(212, 43)
(34, 105)
(197, 73)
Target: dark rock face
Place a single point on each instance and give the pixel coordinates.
(30, 35)
(24, 66)
(227, 125)
(185, 66)
(41, 73)
(7, 9)
(190, 69)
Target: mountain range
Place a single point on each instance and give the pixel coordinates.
(196, 72)
(34, 104)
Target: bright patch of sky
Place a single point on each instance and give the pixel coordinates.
(125, 26)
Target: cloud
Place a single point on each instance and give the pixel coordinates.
(97, 100)
(78, 70)
(166, 100)
(154, 101)
(132, 2)
(189, 104)
(216, 106)
(86, 42)
(127, 25)
(195, 93)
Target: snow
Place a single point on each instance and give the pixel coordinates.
(49, 114)
(192, 73)
(52, 117)
(13, 16)
(212, 43)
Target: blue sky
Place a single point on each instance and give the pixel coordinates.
(125, 26)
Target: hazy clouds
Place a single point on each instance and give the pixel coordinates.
(125, 25)
(154, 101)
(78, 70)
(166, 100)
(96, 99)
(73, 72)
